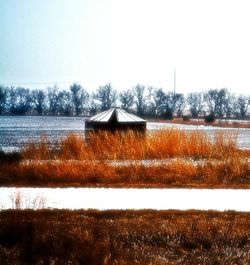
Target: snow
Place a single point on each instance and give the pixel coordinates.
(103, 198)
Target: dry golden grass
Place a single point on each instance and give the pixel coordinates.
(124, 237)
(192, 159)
(155, 145)
(231, 173)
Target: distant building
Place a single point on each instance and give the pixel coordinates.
(115, 119)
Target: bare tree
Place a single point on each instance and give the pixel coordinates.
(53, 99)
(210, 97)
(150, 104)
(230, 104)
(180, 104)
(11, 103)
(195, 102)
(38, 100)
(148, 101)
(106, 96)
(20, 100)
(242, 105)
(93, 105)
(159, 99)
(164, 103)
(217, 100)
(3, 99)
(127, 99)
(65, 103)
(80, 97)
(140, 98)
(221, 101)
(170, 105)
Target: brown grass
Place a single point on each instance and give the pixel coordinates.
(124, 237)
(155, 145)
(230, 173)
(192, 159)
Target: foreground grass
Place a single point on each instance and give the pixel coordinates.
(124, 237)
(231, 173)
(174, 159)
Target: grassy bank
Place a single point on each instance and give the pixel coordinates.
(175, 159)
(124, 237)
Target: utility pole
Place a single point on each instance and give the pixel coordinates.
(174, 88)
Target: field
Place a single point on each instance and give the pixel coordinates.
(166, 158)
(224, 123)
(124, 237)
(162, 159)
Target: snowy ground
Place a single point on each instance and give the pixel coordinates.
(17, 131)
(102, 199)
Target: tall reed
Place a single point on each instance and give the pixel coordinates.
(129, 145)
(197, 160)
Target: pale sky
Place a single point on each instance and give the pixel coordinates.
(126, 42)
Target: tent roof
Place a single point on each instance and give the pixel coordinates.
(121, 116)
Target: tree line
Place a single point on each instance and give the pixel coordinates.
(142, 100)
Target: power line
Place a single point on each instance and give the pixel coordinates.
(40, 83)
(174, 86)
(58, 82)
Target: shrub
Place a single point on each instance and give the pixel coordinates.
(186, 118)
(210, 118)
(169, 114)
(10, 158)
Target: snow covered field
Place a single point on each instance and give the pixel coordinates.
(16, 131)
(102, 199)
